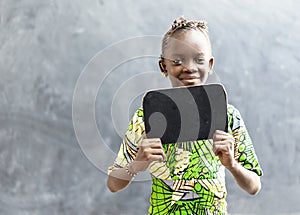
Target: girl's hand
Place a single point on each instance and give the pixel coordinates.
(149, 150)
(223, 147)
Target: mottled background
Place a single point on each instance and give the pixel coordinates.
(44, 47)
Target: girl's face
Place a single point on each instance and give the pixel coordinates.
(188, 60)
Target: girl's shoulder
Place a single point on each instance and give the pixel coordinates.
(231, 108)
(139, 112)
(235, 119)
(233, 111)
(137, 119)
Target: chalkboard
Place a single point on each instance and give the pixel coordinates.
(185, 113)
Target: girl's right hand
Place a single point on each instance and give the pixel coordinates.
(149, 150)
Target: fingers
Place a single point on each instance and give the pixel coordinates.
(223, 138)
(222, 143)
(157, 154)
(221, 135)
(220, 149)
(153, 143)
(151, 157)
(157, 151)
(152, 150)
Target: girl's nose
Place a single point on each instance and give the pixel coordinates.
(190, 67)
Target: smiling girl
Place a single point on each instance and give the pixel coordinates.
(189, 177)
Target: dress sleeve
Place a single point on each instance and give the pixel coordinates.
(132, 138)
(244, 152)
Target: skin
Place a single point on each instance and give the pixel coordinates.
(187, 62)
(187, 59)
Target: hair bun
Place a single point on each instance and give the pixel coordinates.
(181, 23)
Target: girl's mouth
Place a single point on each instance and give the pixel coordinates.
(187, 78)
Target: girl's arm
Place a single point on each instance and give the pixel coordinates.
(246, 179)
(149, 150)
(118, 179)
(223, 146)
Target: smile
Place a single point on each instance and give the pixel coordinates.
(189, 78)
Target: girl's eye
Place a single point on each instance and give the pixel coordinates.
(177, 62)
(199, 60)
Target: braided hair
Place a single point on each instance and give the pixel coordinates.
(183, 25)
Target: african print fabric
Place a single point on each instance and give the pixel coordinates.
(192, 179)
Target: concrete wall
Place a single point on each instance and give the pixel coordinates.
(45, 46)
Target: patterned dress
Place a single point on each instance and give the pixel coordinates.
(192, 179)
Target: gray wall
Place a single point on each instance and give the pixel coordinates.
(44, 47)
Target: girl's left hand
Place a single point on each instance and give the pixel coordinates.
(223, 147)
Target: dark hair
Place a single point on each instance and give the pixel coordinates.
(183, 25)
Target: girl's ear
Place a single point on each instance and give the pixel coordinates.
(162, 67)
(211, 63)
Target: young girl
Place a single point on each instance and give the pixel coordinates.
(189, 177)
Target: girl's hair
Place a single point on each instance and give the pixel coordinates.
(183, 25)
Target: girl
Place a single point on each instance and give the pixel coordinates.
(189, 177)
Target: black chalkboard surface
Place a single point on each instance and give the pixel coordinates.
(185, 113)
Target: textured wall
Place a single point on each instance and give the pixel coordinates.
(45, 45)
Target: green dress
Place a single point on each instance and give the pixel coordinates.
(192, 179)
